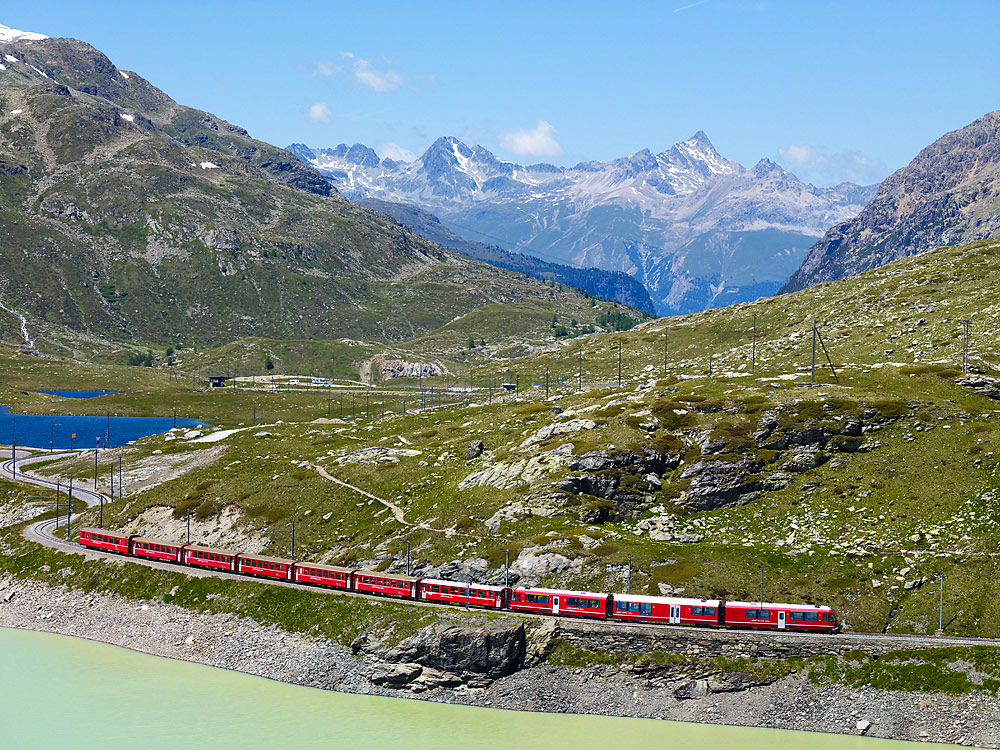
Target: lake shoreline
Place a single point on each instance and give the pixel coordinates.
(243, 645)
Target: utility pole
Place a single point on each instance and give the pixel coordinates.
(121, 487)
(95, 465)
(762, 584)
(293, 538)
(58, 493)
(812, 369)
(100, 523)
(619, 361)
(255, 416)
(407, 557)
(69, 507)
(506, 572)
(753, 347)
(13, 451)
(175, 417)
(819, 336)
(189, 526)
(628, 585)
(965, 345)
(941, 605)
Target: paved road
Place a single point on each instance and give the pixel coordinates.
(42, 533)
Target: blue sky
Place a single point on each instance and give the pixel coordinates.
(832, 91)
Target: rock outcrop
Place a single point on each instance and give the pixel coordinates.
(443, 655)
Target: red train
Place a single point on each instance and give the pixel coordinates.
(624, 607)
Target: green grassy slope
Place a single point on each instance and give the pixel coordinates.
(867, 528)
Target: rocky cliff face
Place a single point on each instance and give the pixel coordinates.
(949, 194)
(696, 229)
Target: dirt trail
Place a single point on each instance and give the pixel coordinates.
(397, 512)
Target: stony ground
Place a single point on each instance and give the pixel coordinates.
(246, 646)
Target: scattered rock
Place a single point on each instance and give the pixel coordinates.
(474, 450)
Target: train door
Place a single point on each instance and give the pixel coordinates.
(675, 614)
(555, 605)
(781, 620)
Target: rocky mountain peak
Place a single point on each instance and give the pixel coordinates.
(946, 195)
(766, 168)
(649, 215)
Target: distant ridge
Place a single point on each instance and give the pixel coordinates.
(948, 194)
(610, 285)
(680, 222)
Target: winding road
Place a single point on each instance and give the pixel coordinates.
(41, 532)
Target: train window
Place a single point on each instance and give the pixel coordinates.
(757, 614)
(811, 616)
(584, 603)
(536, 598)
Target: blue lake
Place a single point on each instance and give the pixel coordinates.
(77, 394)
(43, 431)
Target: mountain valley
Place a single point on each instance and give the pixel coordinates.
(696, 229)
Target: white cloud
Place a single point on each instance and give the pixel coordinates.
(394, 151)
(362, 71)
(821, 167)
(319, 112)
(325, 68)
(538, 141)
(380, 81)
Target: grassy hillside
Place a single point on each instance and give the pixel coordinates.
(856, 493)
(126, 217)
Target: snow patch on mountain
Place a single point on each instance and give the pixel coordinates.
(8, 35)
(688, 223)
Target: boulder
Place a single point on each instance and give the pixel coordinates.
(805, 459)
(474, 450)
(692, 689)
(559, 428)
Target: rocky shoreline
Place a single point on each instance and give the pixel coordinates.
(241, 644)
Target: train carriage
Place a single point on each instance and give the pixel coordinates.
(210, 557)
(263, 566)
(771, 616)
(322, 575)
(156, 549)
(385, 584)
(108, 541)
(667, 609)
(452, 592)
(560, 602)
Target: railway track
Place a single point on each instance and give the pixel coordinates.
(42, 532)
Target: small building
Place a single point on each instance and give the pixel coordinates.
(217, 381)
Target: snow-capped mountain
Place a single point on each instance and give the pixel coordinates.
(699, 230)
(8, 35)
